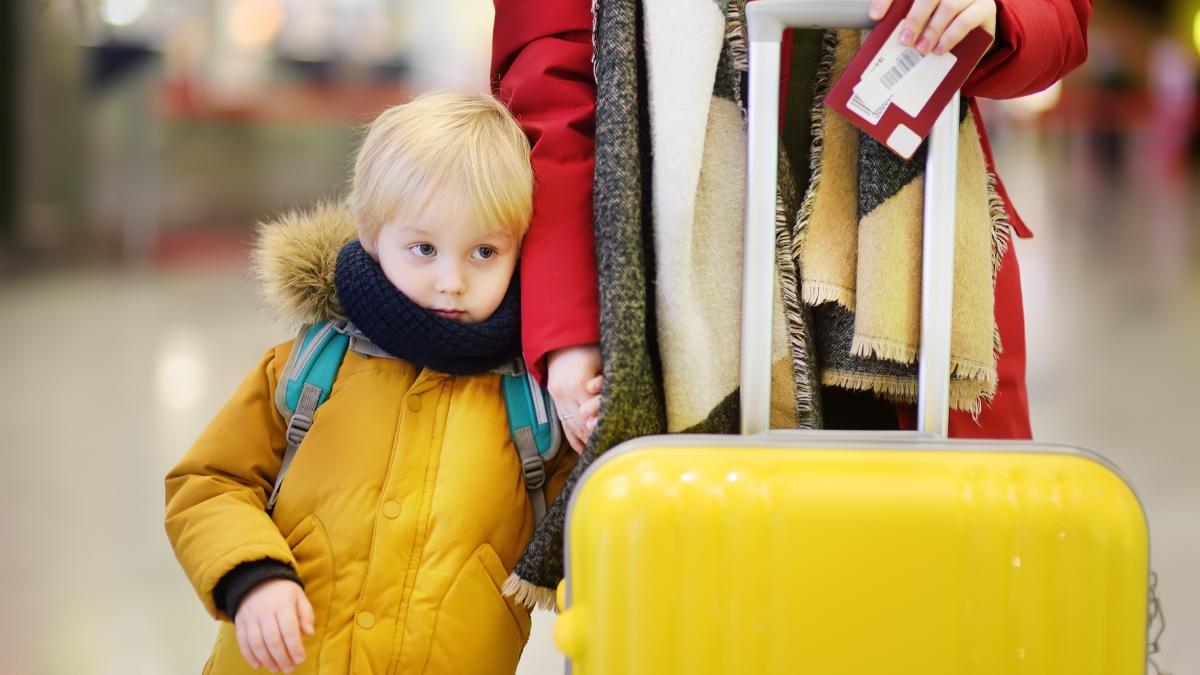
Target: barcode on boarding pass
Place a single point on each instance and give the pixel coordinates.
(906, 61)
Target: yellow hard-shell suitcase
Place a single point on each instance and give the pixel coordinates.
(850, 552)
(777, 554)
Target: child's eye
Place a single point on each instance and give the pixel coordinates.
(423, 250)
(484, 252)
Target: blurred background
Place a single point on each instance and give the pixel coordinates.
(143, 139)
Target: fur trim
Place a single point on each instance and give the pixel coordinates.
(295, 258)
(528, 595)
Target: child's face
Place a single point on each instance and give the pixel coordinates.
(444, 263)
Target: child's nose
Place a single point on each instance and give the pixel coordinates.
(451, 281)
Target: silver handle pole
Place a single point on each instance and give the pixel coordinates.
(759, 242)
(937, 275)
(765, 21)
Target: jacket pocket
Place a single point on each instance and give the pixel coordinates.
(314, 564)
(477, 629)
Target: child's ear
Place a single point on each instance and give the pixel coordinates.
(369, 243)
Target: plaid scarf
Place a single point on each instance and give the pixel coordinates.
(857, 238)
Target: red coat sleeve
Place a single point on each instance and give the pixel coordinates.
(1037, 43)
(542, 69)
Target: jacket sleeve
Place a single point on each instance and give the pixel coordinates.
(1037, 43)
(216, 496)
(542, 69)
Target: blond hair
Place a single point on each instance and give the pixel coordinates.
(465, 143)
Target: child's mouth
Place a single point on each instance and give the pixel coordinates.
(452, 314)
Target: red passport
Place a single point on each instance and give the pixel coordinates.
(894, 93)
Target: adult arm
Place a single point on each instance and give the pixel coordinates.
(542, 69)
(1037, 43)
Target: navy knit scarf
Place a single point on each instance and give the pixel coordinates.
(408, 331)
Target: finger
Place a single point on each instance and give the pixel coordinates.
(572, 420)
(879, 8)
(569, 422)
(244, 646)
(579, 428)
(573, 439)
(593, 387)
(915, 22)
(970, 19)
(254, 638)
(274, 642)
(304, 608)
(289, 630)
(945, 13)
(590, 409)
(591, 426)
(566, 405)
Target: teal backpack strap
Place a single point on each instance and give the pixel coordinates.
(535, 431)
(304, 384)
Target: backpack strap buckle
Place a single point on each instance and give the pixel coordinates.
(298, 428)
(535, 472)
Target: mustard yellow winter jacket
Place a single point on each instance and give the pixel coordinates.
(403, 511)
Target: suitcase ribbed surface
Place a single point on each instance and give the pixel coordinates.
(768, 560)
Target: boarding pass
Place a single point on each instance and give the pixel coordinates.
(895, 93)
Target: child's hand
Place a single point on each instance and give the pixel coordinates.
(938, 25)
(269, 620)
(571, 377)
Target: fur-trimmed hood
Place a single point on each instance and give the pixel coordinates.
(295, 257)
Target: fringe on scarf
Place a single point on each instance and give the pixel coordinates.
(528, 595)
(818, 292)
(817, 145)
(795, 313)
(735, 35)
(901, 390)
(1001, 237)
(880, 348)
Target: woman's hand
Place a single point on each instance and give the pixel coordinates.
(573, 378)
(939, 25)
(269, 621)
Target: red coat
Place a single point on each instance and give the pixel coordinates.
(542, 68)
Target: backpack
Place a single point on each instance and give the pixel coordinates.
(307, 379)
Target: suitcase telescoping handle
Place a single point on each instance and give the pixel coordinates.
(766, 20)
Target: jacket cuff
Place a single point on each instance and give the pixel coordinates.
(242, 579)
